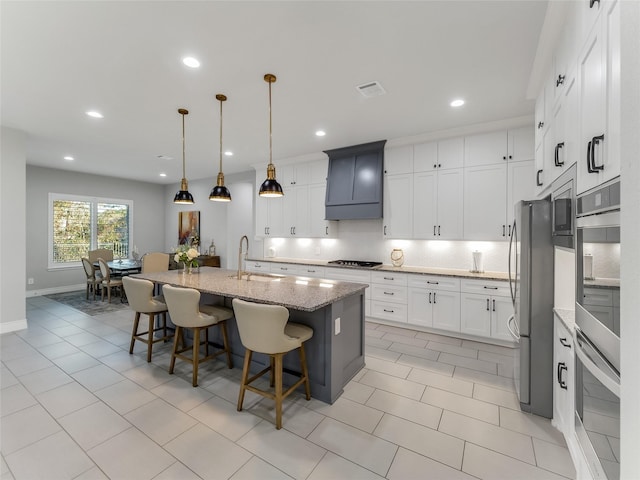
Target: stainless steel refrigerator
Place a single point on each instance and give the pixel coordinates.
(531, 284)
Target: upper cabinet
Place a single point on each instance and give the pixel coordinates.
(398, 160)
(440, 155)
(498, 147)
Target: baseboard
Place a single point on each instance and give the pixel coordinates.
(6, 327)
(62, 289)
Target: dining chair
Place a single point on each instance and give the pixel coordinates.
(141, 300)
(107, 281)
(155, 262)
(94, 255)
(266, 329)
(93, 278)
(187, 313)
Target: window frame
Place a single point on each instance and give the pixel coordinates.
(94, 201)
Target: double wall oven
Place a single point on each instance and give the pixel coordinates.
(597, 416)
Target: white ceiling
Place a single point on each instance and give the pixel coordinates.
(60, 59)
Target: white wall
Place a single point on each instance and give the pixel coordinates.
(148, 219)
(13, 248)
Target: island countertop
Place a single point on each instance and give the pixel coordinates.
(305, 294)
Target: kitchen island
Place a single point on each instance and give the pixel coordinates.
(335, 311)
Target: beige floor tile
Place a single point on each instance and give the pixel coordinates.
(121, 363)
(66, 399)
(83, 338)
(439, 338)
(7, 379)
(14, 399)
(148, 376)
(67, 330)
(46, 338)
(25, 427)
(332, 467)
(423, 440)
(393, 384)
(383, 366)
(373, 333)
(349, 412)
(131, 454)
(470, 407)
(368, 451)
(396, 330)
(415, 351)
(45, 379)
(489, 379)
(488, 347)
(125, 396)
(295, 456)
(224, 418)
(229, 387)
(496, 396)
(75, 362)
(55, 456)
(160, 421)
(181, 394)
(453, 349)
(258, 468)
(533, 425)
(93, 424)
(377, 342)
(426, 364)
(487, 464)
(554, 458)
(92, 474)
(381, 352)
(496, 357)
(23, 365)
(296, 417)
(177, 471)
(100, 348)
(98, 377)
(58, 350)
(357, 392)
(443, 382)
(499, 439)
(409, 465)
(412, 341)
(404, 407)
(470, 363)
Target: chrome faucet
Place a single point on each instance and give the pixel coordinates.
(246, 254)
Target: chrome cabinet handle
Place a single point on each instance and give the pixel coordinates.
(434, 230)
(504, 230)
(385, 230)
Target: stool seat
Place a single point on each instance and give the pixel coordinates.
(298, 331)
(217, 312)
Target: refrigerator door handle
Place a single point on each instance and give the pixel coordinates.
(512, 285)
(512, 331)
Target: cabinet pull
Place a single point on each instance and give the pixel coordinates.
(557, 155)
(435, 166)
(430, 297)
(538, 182)
(509, 230)
(591, 154)
(385, 230)
(593, 2)
(504, 227)
(487, 304)
(284, 268)
(311, 271)
(388, 278)
(564, 343)
(560, 80)
(490, 288)
(504, 157)
(388, 311)
(439, 165)
(438, 230)
(326, 230)
(561, 367)
(434, 230)
(433, 283)
(540, 125)
(434, 297)
(388, 293)
(494, 304)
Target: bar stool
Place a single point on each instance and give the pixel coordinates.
(185, 310)
(265, 329)
(141, 300)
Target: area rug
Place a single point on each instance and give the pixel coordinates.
(91, 307)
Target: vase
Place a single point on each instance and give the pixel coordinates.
(397, 257)
(184, 268)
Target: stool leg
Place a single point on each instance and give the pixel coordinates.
(150, 336)
(164, 326)
(175, 349)
(272, 372)
(136, 320)
(278, 365)
(196, 355)
(305, 372)
(206, 342)
(245, 375)
(225, 342)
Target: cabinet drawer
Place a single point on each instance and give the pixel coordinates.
(389, 293)
(488, 287)
(348, 275)
(284, 268)
(311, 271)
(389, 311)
(254, 266)
(598, 296)
(389, 278)
(435, 282)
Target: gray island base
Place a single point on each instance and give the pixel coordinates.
(335, 311)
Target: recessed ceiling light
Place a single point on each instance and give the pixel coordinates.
(163, 174)
(457, 103)
(191, 62)
(229, 153)
(94, 114)
(320, 133)
(69, 158)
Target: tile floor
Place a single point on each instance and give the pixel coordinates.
(76, 405)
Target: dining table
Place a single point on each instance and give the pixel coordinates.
(124, 265)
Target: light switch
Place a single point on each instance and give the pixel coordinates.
(337, 326)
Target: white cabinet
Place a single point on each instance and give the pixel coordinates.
(398, 160)
(475, 317)
(257, 266)
(269, 214)
(485, 202)
(296, 211)
(297, 174)
(520, 144)
(485, 149)
(389, 296)
(563, 385)
(398, 206)
(485, 307)
(440, 155)
(311, 271)
(438, 204)
(352, 275)
(284, 268)
(520, 186)
(434, 301)
(318, 226)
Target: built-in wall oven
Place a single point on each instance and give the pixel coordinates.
(597, 418)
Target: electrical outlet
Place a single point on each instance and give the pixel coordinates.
(30, 281)
(337, 328)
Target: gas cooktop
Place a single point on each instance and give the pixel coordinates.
(355, 263)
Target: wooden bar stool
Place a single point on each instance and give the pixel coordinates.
(266, 329)
(185, 310)
(141, 300)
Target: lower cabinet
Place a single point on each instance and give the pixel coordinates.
(389, 296)
(485, 309)
(434, 302)
(564, 374)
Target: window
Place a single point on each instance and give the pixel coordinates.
(79, 224)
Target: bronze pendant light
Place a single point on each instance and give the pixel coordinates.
(270, 187)
(183, 196)
(220, 193)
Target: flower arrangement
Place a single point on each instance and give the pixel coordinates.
(187, 255)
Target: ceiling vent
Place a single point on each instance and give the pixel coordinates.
(371, 89)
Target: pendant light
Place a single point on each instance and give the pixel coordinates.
(183, 196)
(270, 187)
(220, 193)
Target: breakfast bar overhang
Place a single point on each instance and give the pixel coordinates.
(335, 311)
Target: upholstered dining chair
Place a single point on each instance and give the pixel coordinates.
(155, 262)
(107, 281)
(93, 278)
(141, 300)
(186, 312)
(266, 329)
(104, 253)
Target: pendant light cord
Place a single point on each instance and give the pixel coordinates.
(220, 135)
(183, 150)
(270, 131)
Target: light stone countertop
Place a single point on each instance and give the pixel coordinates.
(613, 283)
(567, 317)
(289, 291)
(447, 272)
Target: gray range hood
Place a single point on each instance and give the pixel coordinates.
(354, 182)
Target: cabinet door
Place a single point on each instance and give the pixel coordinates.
(485, 202)
(611, 21)
(275, 206)
(539, 118)
(318, 172)
(475, 314)
(398, 160)
(425, 201)
(520, 186)
(450, 204)
(571, 149)
(563, 385)
(262, 216)
(291, 175)
(485, 149)
(451, 153)
(318, 226)
(419, 307)
(425, 157)
(501, 310)
(446, 310)
(521, 144)
(398, 209)
(302, 225)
